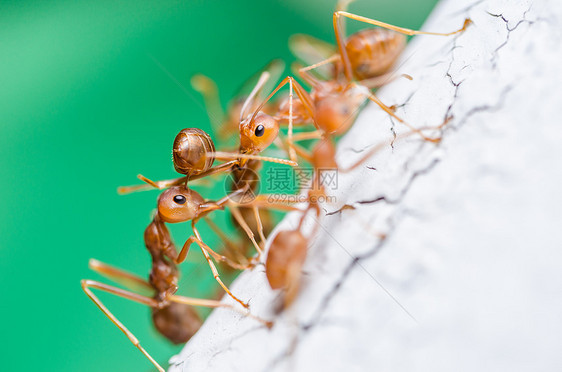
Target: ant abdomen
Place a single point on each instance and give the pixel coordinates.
(324, 155)
(373, 51)
(177, 322)
(191, 151)
(285, 259)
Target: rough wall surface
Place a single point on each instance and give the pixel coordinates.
(468, 277)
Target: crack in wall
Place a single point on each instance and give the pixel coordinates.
(355, 262)
(384, 198)
(394, 219)
(509, 31)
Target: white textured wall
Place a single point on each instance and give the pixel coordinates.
(469, 278)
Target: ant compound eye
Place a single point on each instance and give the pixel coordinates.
(260, 130)
(180, 199)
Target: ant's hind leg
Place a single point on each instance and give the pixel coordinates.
(242, 222)
(303, 136)
(259, 224)
(87, 284)
(379, 81)
(125, 278)
(215, 304)
(401, 30)
(390, 112)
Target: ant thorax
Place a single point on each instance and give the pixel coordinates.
(336, 111)
(299, 112)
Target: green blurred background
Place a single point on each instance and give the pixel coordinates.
(92, 93)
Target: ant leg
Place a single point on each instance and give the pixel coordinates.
(87, 284)
(120, 276)
(376, 148)
(309, 78)
(149, 184)
(338, 29)
(390, 112)
(235, 155)
(259, 224)
(306, 155)
(361, 160)
(306, 100)
(233, 249)
(264, 201)
(342, 6)
(401, 30)
(301, 93)
(303, 136)
(220, 258)
(217, 257)
(244, 225)
(379, 81)
(214, 304)
(208, 89)
(249, 102)
(221, 168)
(292, 154)
(215, 272)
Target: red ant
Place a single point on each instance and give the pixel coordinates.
(288, 250)
(366, 55)
(226, 123)
(172, 315)
(194, 153)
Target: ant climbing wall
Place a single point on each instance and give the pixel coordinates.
(433, 256)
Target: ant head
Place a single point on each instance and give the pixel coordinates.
(190, 151)
(256, 135)
(179, 204)
(336, 113)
